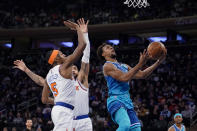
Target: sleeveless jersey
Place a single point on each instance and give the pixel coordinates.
(81, 99)
(63, 89)
(117, 90)
(177, 129)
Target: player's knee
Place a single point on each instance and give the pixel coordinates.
(125, 126)
(135, 129)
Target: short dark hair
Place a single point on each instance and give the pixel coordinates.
(100, 51)
(28, 119)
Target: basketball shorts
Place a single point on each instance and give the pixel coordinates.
(116, 105)
(62, 118)
(82, 125)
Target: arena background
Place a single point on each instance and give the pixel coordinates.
(28, 29)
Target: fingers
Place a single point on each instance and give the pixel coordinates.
(87, 22)
(16, 62)
(144, 51)
(66, 23)
(14, 67)
(70, 24)
(81, 21)
(78, 21)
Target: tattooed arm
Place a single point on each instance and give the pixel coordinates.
(36, 78)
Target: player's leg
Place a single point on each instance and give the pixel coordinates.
(83, 125)
(135, 129)
(135, 123)
(62, 118)
(88, 123)
(122, 119)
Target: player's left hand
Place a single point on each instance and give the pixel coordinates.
(82, 25)
(163, 56)
(20, 65)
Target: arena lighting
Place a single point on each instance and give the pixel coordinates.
(114, 42)
(179, 37)
(161, 38)
(8, 45)
(67, 44)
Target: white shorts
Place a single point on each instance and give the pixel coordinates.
(82, 125)
(62, 118)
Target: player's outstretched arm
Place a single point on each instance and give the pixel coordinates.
(81, 40)
(45, 95)
(84, 71)
(36, 78)
(148, 71)
(110, 70)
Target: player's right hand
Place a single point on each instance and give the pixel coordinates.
(20, 65)
(80, 26)
(71, 25)
(143, 57)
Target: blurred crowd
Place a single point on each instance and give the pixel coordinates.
(50, 13)
(170, 89)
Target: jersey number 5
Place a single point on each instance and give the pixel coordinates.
(54, 89)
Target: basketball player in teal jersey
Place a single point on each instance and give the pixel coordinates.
(177, 126)
(118, 75)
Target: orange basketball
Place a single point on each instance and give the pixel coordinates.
(155, 50)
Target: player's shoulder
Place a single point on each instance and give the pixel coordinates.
(184, 127)
(107, 65)
(171, 128)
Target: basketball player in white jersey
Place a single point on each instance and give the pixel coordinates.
(59, 81)
(81, 120)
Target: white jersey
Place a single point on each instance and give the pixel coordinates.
(63, 89)
(81, 99)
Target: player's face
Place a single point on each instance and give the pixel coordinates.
(61, 57)
(109, 51)
(75, 71)
(178, 119)
(29, 123)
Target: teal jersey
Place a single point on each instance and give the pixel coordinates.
(117, 90)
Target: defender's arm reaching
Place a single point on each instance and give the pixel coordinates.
(36, 78)
(84, 71)
(81, 46)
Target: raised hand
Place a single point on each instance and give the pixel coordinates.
(20, 65)
(143, 57)
(71, 25)
(82, 25)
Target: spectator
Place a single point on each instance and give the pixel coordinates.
(28, 125)
(161, 125)
(18, 119)
(165, 112)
